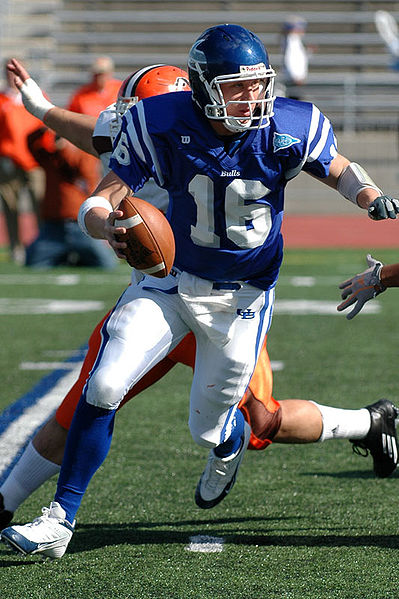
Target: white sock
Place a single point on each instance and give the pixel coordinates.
(344, 424)
(31, 471)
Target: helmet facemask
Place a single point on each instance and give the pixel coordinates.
(122, 104)
(260, 109)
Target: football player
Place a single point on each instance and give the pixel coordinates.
(232, 156)
(44, 453)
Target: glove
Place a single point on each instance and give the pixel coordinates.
(383, 207)
(361, 288)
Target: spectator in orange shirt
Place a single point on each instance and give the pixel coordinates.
(69, 179)
(96, 95)
(100, 92)
(19, 171)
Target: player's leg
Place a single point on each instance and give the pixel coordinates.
(370, 430)
(259, 408)
(43, 456)
(140, 332)
(224, 365)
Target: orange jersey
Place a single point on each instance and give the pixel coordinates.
(16, 123)
(69, 177)
(259, 408)
(89, 100)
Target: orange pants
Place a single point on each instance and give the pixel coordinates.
(259, 408)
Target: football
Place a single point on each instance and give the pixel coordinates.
(149, 237)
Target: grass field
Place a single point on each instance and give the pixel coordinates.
(302, 521)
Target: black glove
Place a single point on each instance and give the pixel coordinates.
(383, 207)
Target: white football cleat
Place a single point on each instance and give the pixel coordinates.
(219, 475)
(48, 535)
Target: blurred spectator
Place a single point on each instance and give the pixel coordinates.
(100, 92)
(19, 171)
(69, 180)
(295, 56)
(96, 95)
(387, 27)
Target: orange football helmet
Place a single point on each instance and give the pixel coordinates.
(150, 81)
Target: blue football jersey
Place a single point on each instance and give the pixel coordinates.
(226, 196)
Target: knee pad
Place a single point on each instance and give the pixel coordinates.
(104, 391)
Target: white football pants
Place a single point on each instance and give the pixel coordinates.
(152, 317)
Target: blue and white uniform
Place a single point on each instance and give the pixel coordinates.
(225, 207)
(226, 201)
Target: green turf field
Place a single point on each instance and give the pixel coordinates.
(303, 522)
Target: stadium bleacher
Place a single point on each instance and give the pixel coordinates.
(350, 76)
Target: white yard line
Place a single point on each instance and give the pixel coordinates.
(19, 431)
(205, 544)
(47, 365)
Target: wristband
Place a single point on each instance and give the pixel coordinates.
(34, 100)
(92, 202)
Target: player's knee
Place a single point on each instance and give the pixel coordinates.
(205, 438)
(264, 418)
(104, 391)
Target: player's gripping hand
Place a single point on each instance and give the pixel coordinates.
(383, 207)
(110, 232)
(361, 288)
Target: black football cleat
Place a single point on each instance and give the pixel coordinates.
(381, 440)
(5, 515)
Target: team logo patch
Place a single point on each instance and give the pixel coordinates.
(246, 314)
(283, 140)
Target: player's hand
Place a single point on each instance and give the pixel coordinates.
(110, 231)
(21, 74)
(383, 207)
(361, 288)
(32, 96)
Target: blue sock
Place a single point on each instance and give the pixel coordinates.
(233, 443)
(87, 446)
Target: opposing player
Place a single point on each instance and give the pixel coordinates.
(230, 310)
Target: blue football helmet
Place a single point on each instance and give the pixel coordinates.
(226, 53)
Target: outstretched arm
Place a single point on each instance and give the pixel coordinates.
(73, 126)
(355, 184)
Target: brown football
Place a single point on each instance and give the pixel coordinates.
(149, 237)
